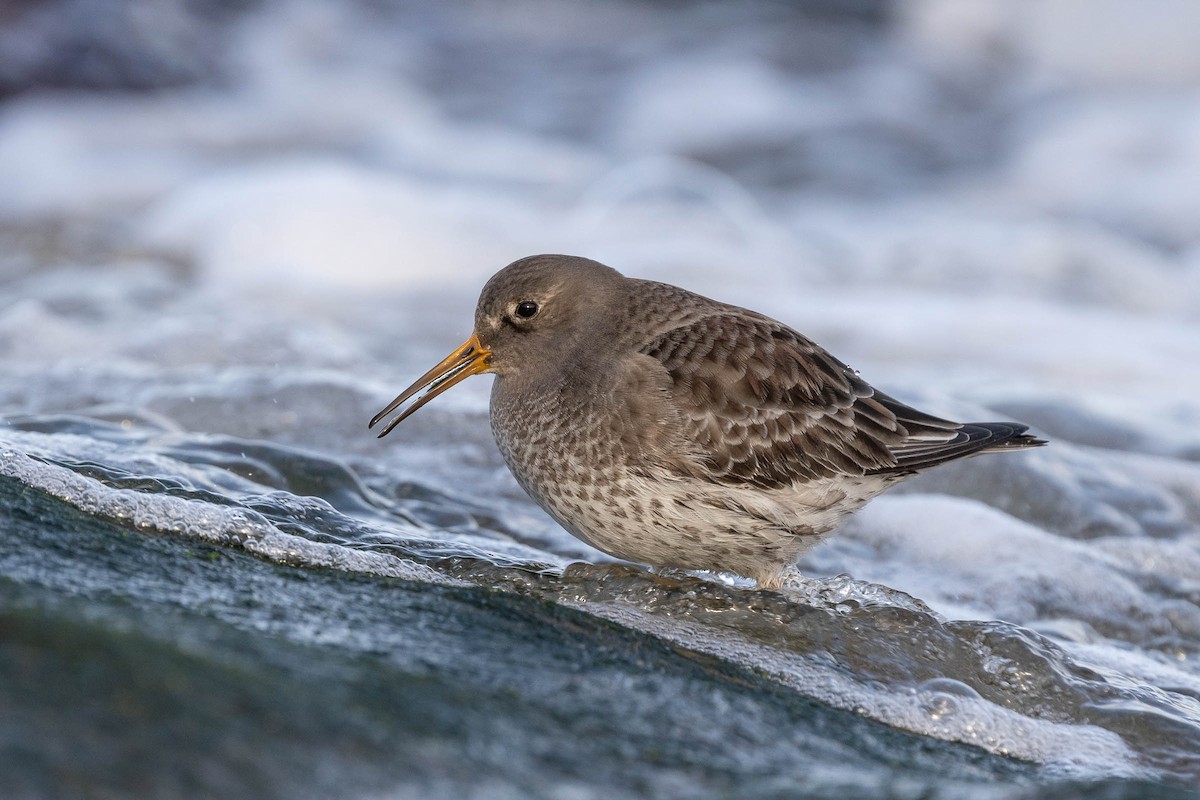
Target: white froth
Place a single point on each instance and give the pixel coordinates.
(322, 223)
(222, 525)
(1070, 750)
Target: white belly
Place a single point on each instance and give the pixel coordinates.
(667, 520)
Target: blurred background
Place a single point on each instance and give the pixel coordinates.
(1037, 161)
(231, 231)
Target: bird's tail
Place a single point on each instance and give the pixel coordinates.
(933, 440)
(971, 438)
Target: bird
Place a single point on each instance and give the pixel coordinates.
(672, 430)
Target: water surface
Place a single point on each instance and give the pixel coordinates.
(222, 260)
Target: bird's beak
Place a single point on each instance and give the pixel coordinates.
(470, 359)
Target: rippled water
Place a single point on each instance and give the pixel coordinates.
(214, 581)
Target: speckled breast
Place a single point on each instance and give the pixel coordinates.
(562, 450)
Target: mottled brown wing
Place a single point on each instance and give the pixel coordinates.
(766, 406)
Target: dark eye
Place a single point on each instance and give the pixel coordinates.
(526, 309)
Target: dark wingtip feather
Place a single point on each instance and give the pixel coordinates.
(1019, 440)
(973, 438)
(1003, 436)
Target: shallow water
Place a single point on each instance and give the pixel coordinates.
(214, 581)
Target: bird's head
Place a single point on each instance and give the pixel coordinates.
(534, 310)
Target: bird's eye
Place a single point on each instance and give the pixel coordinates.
(527, 309)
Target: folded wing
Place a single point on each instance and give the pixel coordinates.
(763, 405)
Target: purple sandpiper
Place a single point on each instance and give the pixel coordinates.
(672, 430)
